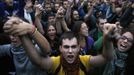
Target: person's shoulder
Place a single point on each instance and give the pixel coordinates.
(85, 60)
(5, 49)
(56, 63)
(6, 45)
(55, 59)
(84, 57)
(90, 38)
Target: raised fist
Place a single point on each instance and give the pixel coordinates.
(60, 13)
(109, 29)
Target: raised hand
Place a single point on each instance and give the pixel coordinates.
(60, 13)
(38, 10)
(15, 26)
(109, 29)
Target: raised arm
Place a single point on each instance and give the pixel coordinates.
(23, 29)
(64, 25)
(41, 41)
(43, 62)
(107, 53)
(38, 14)
(68, 14)
(90, 11)
(60, 18)
(16, 26)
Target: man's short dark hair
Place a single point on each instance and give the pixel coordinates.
(67, 35)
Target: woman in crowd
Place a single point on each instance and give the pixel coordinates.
(86, 42)
(52, 38)
(122, 63)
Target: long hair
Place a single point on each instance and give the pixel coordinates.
(129, 67)
(53, 43)
(46, 29)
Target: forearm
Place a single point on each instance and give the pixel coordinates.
(107, 48)
(5, 50)
(42, 42)
(64, 25)
(43, 62)
(31, 50)
(68, 15)
(86, 17)
(39, 25)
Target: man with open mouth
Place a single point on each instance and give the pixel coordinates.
(69, 62)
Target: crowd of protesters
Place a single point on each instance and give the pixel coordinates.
(103, 29)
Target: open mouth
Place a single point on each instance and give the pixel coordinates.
(123, 46)
(70, 56)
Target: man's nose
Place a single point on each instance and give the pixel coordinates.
(70, 50)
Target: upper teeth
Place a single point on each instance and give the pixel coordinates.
(123, 45)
